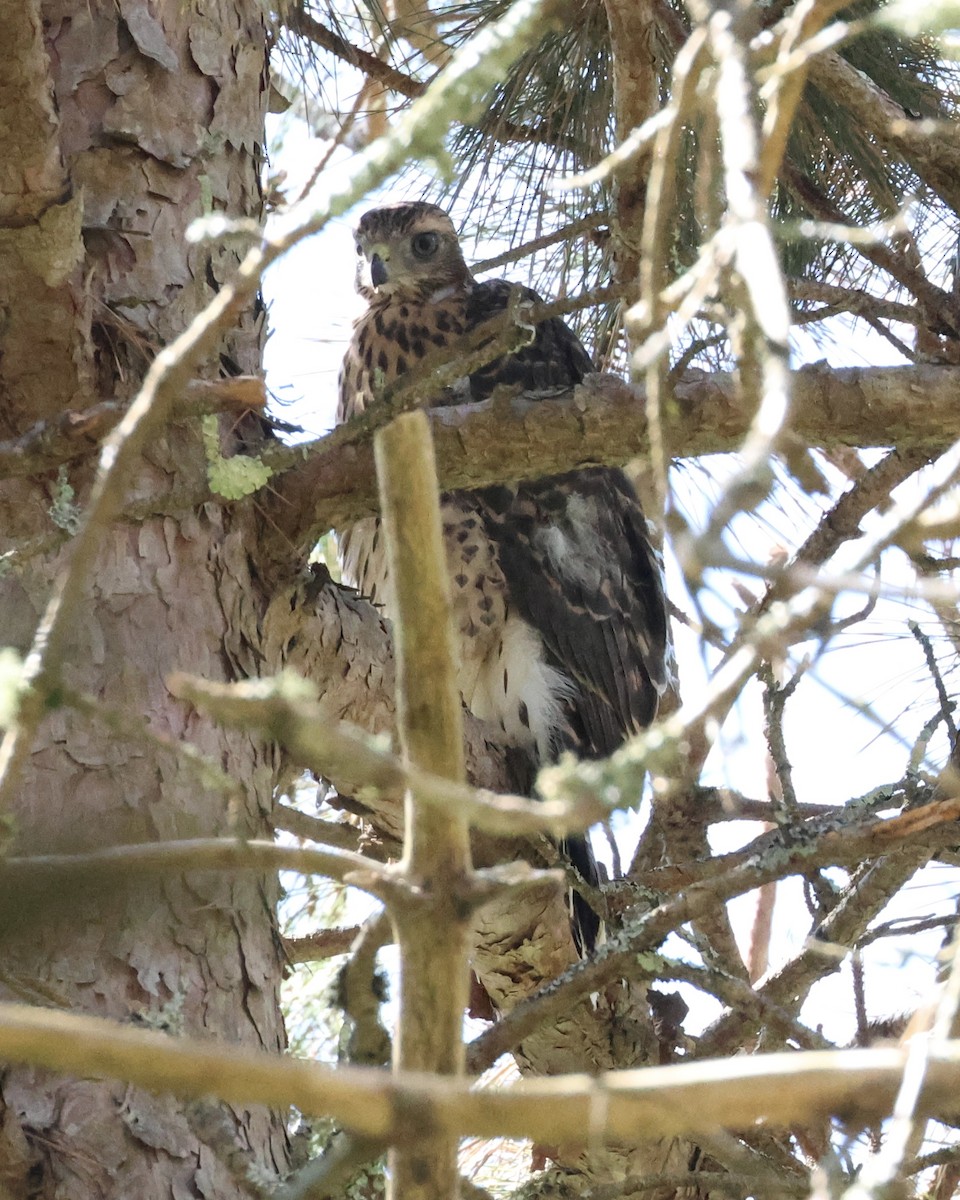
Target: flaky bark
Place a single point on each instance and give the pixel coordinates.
(41, 250)
(119, 131)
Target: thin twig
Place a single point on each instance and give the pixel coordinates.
(360, 994)
(334, 833)
(784, 81)
(786, 1089)
(936, 306)
(634, 144)
(852, 300)
(565, 234)
(199, 854)
(946, 704)
(646, 931)
(300, 22)
(775, 697)
(319, 946)
(649, 314)
(881, 1170)
(764, 350)
(285, 709)
(327, 1177)
(864, 899)
(697, 1183)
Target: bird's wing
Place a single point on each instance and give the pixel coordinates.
(555, 357)
(576, 554)
(580, 569)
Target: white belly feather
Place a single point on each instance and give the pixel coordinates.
(501, 672)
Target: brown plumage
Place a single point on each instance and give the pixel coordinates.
(557, 592)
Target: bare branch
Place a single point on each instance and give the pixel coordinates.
(864, 899)
(938, 309)
(319, 946)
(285, 710)
(300, 22)
(763, 352)
(855, 301)
(603, 422)
(432, 929)
(198, 854)
(783, 1089)
(565, 234)
(331, 833)
(905, 1132)
(787, 853)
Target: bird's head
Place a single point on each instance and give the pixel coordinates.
(408, 251)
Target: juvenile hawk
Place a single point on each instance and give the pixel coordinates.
(556, 591)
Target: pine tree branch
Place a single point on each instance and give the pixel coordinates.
(431, 923)
(566, 234)
(863, 900)
(319, 946)
(938, 309)
(72, 434)
(192, 854)
(787, 1089)
(332, 833)
(786, 855)
(754, 277)
(836, 300)
(929, 147)
(285, 709)
(603, 422)
(302, 24)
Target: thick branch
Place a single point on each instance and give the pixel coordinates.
(603, 422)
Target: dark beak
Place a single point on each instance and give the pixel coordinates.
(378, 272)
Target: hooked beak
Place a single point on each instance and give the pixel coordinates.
(378, 271)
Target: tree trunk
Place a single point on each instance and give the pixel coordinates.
(127, 122)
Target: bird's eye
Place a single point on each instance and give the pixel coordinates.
(359, 248)
(424, 245)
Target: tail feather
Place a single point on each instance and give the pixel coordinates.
(587, 926)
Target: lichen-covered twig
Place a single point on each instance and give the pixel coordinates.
(430, 920)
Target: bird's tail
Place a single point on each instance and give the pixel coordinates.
(587, 926)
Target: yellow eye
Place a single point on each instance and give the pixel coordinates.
(424, 245)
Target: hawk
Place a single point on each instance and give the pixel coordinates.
(558, 603)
